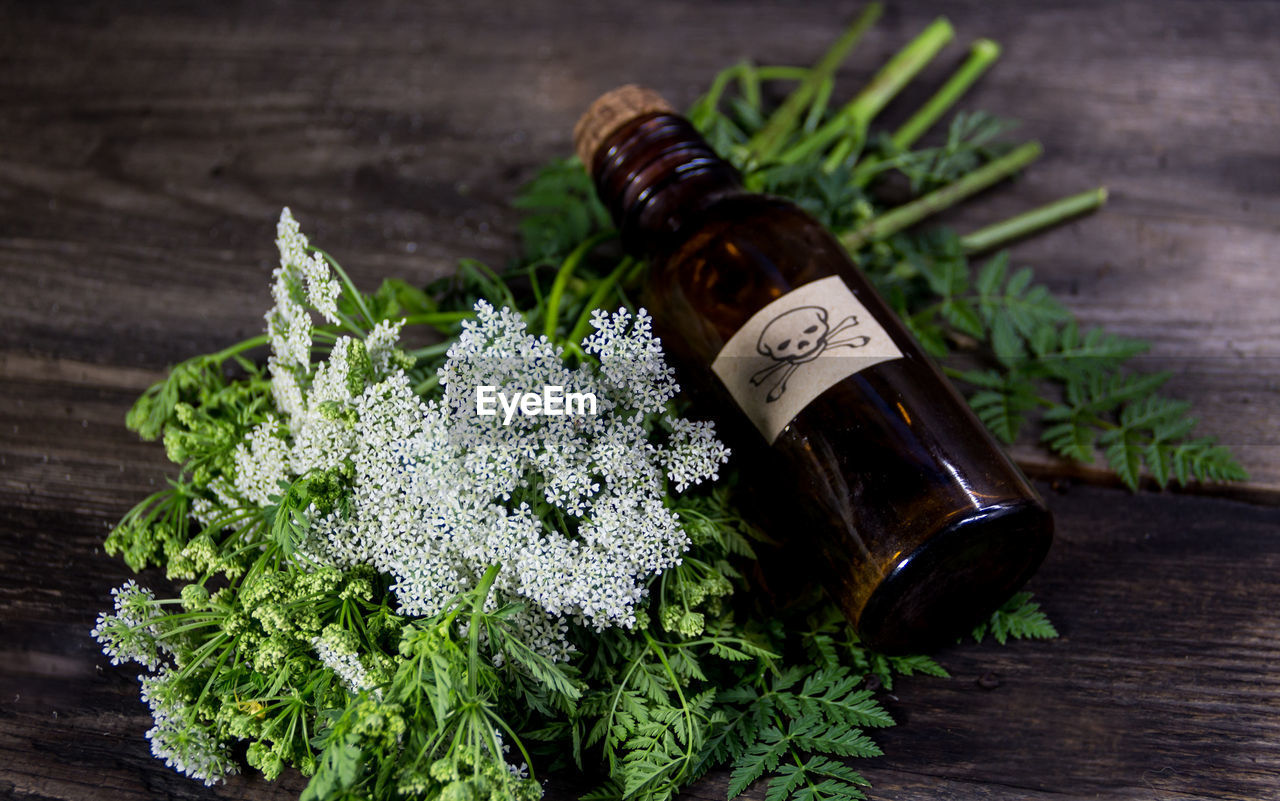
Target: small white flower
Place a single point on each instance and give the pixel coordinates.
(322, 289)
(631, 359)
(693, 453)
(337, 651)
(262, 462)
(381, 343)
(186, 744)
(130, 635)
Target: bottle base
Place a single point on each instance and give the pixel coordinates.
(958, 577)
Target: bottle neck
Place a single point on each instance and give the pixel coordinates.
(654, 175)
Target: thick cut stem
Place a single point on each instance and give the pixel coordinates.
(766, 143)
(911, 213)
(982, 54)
(1029, 222)
(853, 118)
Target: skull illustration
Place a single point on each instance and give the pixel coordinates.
(796, 336)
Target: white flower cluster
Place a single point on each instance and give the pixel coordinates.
(693, 453)
(128, 634)
(631, 359)
(338, 653)
(131, 633)
(183, 743)
(573, 507)
(301, 277)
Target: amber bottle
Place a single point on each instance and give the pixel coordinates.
(872, 469)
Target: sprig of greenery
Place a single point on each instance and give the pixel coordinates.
(1019, 618)
(443, 723)
(1036, 364)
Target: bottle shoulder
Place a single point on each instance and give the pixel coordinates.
(752, 209)
(757, 238)
(725, 223)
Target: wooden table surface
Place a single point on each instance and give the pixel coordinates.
(145, 152)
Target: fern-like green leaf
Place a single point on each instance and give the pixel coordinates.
(816, 778)
(761, 757)
(1073, 437)
(1018, 618)
(834, 696)
(1203, 460)
(917, 663)
(816, 735)
(1075, 355)
(1003, 406)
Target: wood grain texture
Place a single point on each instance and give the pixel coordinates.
(146, 149)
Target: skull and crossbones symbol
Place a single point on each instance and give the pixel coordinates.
(796, 337)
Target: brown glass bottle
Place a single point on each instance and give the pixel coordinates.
(915, 519)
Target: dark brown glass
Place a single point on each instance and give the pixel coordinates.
(886, 486)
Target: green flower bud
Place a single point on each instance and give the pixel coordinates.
(194, 597)
(261, 756)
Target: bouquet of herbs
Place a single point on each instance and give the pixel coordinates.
(404, 599)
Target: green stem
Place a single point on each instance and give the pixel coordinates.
(214, 673)
(899, 71)
(982, 54)
(617, 697)
(473, 631)
(633, 275)
(485, 583)
(515, 738)
(562, 278)
(350, 286)
(684, 705)
(909, 214)
(819, 106)
(431, 350)
(602, 289)
(239, 347)
(350, 324)
(764, 145)
(426, 385)
(781, 73)
(749, 84)
(1005, 231)
(201, 654)
(438, 319)
(852, 120)
(704, 107)
(176, 630)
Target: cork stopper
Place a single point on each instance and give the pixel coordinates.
(610, 112)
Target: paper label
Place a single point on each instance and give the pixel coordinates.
(797, 347)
